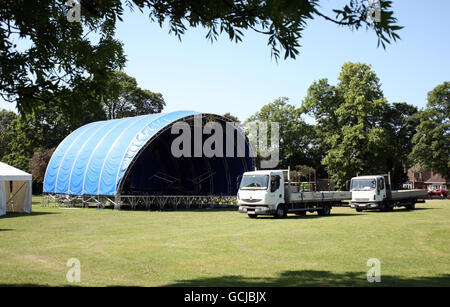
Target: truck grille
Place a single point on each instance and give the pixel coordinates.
(251, 200)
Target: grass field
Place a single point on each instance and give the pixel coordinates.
(225, 248)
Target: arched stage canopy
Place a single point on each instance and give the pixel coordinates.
(132, 156)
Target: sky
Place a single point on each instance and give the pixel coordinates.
(240, 78)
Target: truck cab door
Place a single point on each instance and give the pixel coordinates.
(276, 188)
(381, 189)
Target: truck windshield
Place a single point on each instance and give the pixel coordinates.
(254, 182)
(364, 184)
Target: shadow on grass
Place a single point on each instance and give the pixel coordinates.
(15, 214)
(400, 210)
(404, 210)
(311, 278)
(36, 286)
(310, 216)
(307, 278)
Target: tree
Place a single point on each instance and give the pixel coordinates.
(400, 123)
(432, 140)
(38, 164)
(47, 125)
(42, 54)
(125, 98)
(349, 120)
(231, 117)
(21, 145)
(6, 117)
(295, 136)
(58, 55)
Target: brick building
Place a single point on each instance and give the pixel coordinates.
(425, 179)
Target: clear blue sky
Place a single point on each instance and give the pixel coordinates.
(241, 78)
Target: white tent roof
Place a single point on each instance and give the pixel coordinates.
(9, 173)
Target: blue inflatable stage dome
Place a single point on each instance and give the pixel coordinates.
(132, 156)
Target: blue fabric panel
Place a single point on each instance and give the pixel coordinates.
(66, 165)
(99, 153)
(53, 166)
(82, 158)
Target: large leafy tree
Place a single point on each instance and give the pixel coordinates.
(296, 137)
(42, 54)
(38, 164)
(6, 118)
(432, 140)
(46, 126)
(400, 123)
(124, 98)
(349, 120)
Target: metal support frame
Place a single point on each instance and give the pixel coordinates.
(162, 202)
(147, 202)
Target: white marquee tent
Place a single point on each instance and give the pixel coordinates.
(15, 190)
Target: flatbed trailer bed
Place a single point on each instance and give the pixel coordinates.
(409, 194)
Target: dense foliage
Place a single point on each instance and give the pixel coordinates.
(43, 54)
(432, 140)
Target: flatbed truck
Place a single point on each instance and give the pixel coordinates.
(270, 192)
(374, 192)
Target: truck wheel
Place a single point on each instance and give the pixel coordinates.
(281, 212)
(359, 210)
(386, 207)
(325, 211)
(252, 216)
(411, 206)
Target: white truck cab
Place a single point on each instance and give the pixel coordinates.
(368, 192)
(261, 192)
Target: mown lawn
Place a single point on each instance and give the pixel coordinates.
(225, 248)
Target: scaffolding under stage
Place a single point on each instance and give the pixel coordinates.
(146, 202)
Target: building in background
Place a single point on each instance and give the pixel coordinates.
(426, 180)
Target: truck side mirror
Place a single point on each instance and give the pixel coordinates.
(347, 185)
